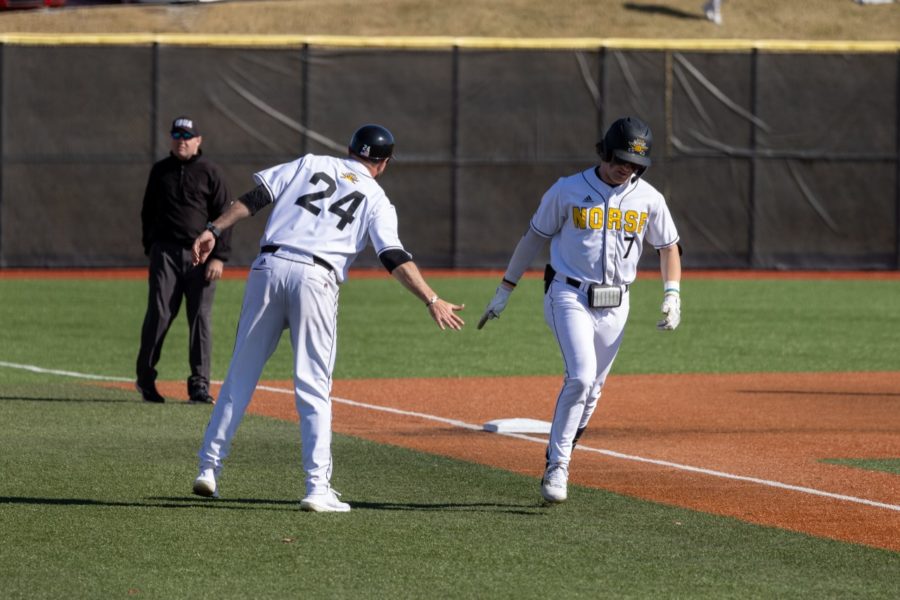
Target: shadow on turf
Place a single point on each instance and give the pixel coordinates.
(251, 503)
(491, 507)
(662, 10)
(153, 502)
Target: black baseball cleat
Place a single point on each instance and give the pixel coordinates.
(149, 393)
(201, 398)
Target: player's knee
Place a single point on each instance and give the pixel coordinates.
(580, 385)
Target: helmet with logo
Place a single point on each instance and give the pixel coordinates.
(372, 142)
(629, 139)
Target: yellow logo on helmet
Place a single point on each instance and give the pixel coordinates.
(638, 146)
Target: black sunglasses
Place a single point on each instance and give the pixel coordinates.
(181, 135)
(619, 161)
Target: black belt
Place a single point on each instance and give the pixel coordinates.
(550, 273)
(271, 249)
(576, 283)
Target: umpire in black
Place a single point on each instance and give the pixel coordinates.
(185, 192)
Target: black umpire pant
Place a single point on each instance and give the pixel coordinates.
(173, 277)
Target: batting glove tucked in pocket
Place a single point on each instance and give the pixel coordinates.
(495, 306)
(671, 309)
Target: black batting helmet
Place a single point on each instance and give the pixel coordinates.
(627, 139)
(372, 142)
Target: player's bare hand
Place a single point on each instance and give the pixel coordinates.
(214, 269)
(444, 314)
(202, 247)
(671, 309)
(495, 306)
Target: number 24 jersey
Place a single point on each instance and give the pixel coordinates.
(328, 207)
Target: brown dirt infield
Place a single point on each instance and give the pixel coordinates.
(772, 428)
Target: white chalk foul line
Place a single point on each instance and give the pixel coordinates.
(472, 427)
(396, 411)
(43, 371)
(614, 454)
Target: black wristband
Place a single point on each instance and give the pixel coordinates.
(214, 230)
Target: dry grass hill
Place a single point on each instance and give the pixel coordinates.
(682, 19)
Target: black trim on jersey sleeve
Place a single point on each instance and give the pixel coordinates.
(539, 232)
(256, 199)
(676, 243)
(393, 258)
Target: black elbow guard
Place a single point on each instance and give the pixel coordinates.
(393, 258)
(256, 199)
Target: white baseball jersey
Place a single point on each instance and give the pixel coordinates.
(334, 222)
(598, 230)
(597, 233)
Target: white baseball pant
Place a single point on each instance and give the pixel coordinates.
(589, 339)
(303, 298)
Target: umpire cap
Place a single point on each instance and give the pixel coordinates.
(185, 124)
(372, 142)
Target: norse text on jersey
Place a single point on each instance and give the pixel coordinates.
(631, 221)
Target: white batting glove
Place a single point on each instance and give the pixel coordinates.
(671, 309)
(495, 306)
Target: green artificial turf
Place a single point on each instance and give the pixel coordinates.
(95, 503)
(94, 486)
(888, 465)
(727, 326)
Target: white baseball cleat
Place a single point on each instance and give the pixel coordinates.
(326, 501)
(554, 484)
(205, 484)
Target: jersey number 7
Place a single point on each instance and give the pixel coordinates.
(354, 199)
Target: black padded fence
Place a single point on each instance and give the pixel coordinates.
(770, 157)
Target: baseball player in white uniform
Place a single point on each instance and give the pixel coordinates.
(325, 211)
(596, 222)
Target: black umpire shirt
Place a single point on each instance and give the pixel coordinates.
(180, 199)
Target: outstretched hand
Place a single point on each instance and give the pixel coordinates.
(444, 314)
(203, 247)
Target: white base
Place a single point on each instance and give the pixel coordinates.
(517, 425)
